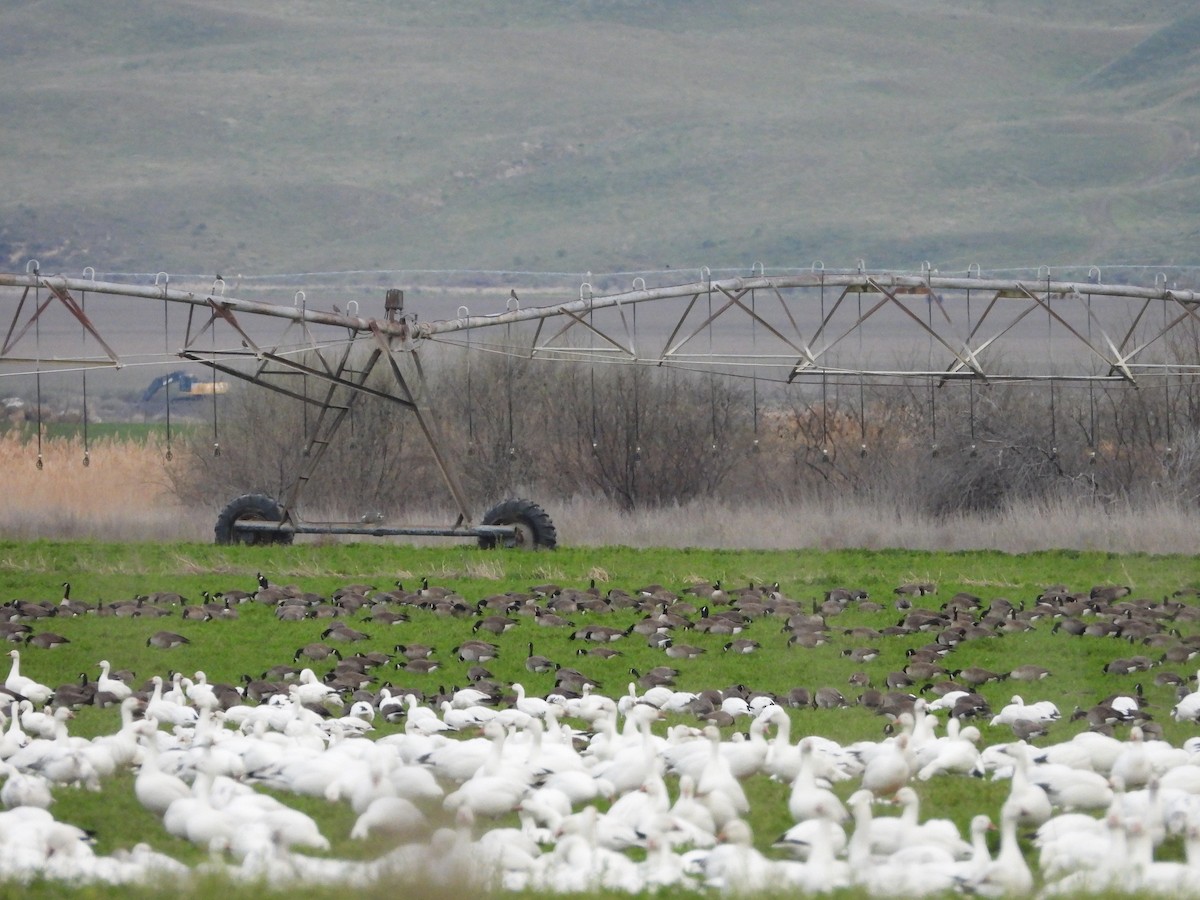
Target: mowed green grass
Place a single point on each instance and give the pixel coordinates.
(256, 641)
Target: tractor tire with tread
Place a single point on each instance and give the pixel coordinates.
(256, 507)
(533, 525)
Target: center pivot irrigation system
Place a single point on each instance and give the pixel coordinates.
(808, 327)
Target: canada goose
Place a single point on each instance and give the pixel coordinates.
(316, 652)
(495, 624)
(195, 613)
(67, 606)
(859, 679)
(46, 640)
(922, 670)
(166, 640)
(343, 632)
(75, 695)
(432, 592)
(682, 651)
(535, 663)
(476, 651)
(386, 616)
(477, 674)
(742, 645)
(1109, 593)
(716, 624)
(15, 632)
(415, 651)
(1029, 672)
(828, 698)
(658, 640)
(807, 639)
(861, 654)
(570, 679)
(976, 675)
(602, 652)
(419, 666)
(548, 619)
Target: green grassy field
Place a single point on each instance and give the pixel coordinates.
(229, 650)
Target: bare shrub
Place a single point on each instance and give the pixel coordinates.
(641, 437)
(262, 437)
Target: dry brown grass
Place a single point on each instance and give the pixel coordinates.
(123, 495)
(1024, 528)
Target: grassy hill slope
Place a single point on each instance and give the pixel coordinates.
(299, 136)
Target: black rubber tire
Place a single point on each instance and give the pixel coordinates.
(534, 529)
(256, 507)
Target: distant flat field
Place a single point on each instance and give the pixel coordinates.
(539, 136)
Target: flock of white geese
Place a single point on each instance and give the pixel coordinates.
(584, 798)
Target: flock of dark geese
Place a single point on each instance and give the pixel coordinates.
(483, 785)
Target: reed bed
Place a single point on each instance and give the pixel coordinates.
(122, 494)
(125, 494)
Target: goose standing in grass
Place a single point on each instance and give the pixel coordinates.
(397, 817)
(535, 663)
(635, 813)
(14, 737)
(884, 836)
(627, 759)
(1008, 875)
(109, 685)
(1027, 802)
(309, 689)
(807, 799)
(155, 789)
(889, 767)
(799, 840)
(24, 789)
(882, 861)
(163, 710)
(58, 759)
(1074, 841)
(531, 706)
(735, 866)
(1187, 709)
(36, 723)
(37, 693)
(489, 796)
(717, 787)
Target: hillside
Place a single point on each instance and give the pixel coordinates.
(601, 135)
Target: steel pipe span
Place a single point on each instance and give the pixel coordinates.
(855, 281)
